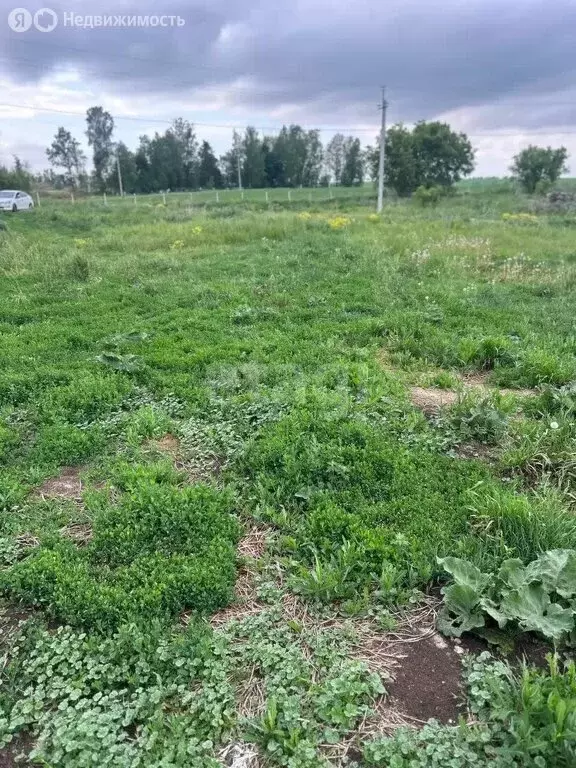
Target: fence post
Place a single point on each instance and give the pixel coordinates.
(134, 196)
(38, 199)
(289, 195)
(72, 197)
(105, 200)
(164, 198)
(217, 196)
(266, 195)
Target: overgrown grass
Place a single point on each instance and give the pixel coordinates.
(275, 344)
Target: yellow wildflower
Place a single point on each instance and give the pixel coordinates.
(339, 222)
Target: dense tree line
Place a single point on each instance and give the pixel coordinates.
(428, 155)
(177, 159)
(17, 177)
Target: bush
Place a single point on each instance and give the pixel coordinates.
(160, 552)
(426, 196)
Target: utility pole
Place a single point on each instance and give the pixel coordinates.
(120, 187)
(239, 171)
(383, 106)
(237, 142)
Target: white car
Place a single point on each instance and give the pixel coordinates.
(13, 200)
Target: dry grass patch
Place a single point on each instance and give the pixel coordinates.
(168, 444)
(240, 755)
(80, 533)
(68, 485)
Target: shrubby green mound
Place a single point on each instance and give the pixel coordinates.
(162, 550)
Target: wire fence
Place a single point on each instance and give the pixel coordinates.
(220, 196)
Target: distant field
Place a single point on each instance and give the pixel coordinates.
(235, 438)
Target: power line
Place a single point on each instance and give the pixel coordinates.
(273, 128)
(231, 126)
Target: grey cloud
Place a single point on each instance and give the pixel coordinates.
(330, 57)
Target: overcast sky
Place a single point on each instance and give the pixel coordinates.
(501, 70)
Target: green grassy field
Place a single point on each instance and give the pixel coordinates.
(235, 439)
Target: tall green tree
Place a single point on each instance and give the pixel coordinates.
(273, 165)
(253, 170)
(401, 166)
(431, 154)
(301, 154)
(230, 160)
(209, 175)
(65, 152)
(128, 169)
(187, 142)
(353, 166)
(18, 177)
(334, 157)
(443, 156)
(100, 127)
(535, 165)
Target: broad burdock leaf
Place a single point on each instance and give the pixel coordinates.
(556, 570)
(494, 612)
(465, 573)
(530, 605)
(461, 612)
(513, 573)
(521, 594)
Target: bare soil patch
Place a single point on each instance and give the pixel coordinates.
(67, 485)
(21, 744)
(479, 381)
(431, 399)
(427, 682)
(11, 620)
(167, 444)
(475, 451)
